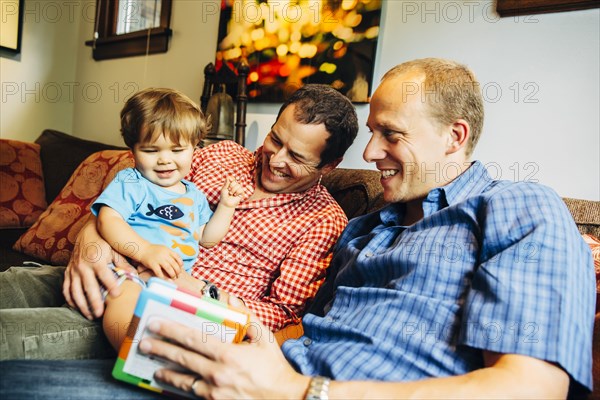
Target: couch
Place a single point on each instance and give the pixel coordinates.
(357, 191)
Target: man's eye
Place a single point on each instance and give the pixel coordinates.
(392, 134)
(275, 140)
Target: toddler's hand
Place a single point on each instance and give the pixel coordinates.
(162, 261)
(231, 193)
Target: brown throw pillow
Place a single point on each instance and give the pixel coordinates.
(23, 197)
(52, 237)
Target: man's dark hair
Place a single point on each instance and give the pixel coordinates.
(322, 104)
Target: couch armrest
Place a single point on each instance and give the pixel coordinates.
(586, 214)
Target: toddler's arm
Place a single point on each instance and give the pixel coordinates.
(216, 228)
(123, 239)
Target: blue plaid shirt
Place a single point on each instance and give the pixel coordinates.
(493, 265)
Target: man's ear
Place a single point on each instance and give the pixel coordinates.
(327, 168)
(459, 136)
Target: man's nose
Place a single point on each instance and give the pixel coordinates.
(278, 158)
(375, 149)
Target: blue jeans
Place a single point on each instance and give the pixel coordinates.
(65, 379)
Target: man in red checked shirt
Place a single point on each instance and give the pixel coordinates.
(280, 241)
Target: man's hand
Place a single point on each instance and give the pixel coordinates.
(253, 369)
(87, 269)
(161, 260)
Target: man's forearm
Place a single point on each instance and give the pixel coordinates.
(511, 376)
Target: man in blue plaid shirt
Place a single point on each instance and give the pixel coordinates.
(463, 287)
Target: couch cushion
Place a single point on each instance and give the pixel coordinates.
(23, 196)
(61, 154)
(52, 237)
(357, 191)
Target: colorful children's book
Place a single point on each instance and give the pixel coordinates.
(165, 301)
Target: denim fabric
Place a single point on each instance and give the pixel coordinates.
(65, 379)
(28, 331)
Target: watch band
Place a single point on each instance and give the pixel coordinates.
(318, 389)
(210, 290)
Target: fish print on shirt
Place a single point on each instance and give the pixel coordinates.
(184, 248)
(169, 212)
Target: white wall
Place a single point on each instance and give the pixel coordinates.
(37, 83)
(540, 75)
(110, 82)
(540, 79)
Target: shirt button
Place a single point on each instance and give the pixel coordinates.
(368, 254)
(307, 342)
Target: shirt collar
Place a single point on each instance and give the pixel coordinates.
(471, 182)
(467, 184)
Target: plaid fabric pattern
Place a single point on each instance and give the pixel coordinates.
(277, 250)
(493, 265)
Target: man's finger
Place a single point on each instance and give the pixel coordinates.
(66, 289)
(188, 359)
(200, 342)
(79, 298)
(92, 288)
(187, 383)
(122, 263)
(108, 279)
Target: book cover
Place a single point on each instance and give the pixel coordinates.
(165, 301)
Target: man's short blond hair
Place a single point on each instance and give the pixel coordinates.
(451, 91)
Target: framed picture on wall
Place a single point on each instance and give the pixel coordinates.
(12, 25)
(509, 8)
(288, 44)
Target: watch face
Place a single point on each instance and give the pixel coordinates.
(213, 292)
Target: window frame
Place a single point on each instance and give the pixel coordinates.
(108, 45)
(509, 8)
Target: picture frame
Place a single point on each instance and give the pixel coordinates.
(290, 44)
(11, 29)
(509, 8)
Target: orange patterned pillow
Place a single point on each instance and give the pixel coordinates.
(23, 197)
(52, 237)
(594, 244)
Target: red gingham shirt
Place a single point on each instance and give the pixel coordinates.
(277, 250)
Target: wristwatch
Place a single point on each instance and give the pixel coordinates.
(210, 290)
(318, 389)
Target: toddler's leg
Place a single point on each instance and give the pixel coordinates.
(119, 311)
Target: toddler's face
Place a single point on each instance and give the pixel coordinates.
(164, 162)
